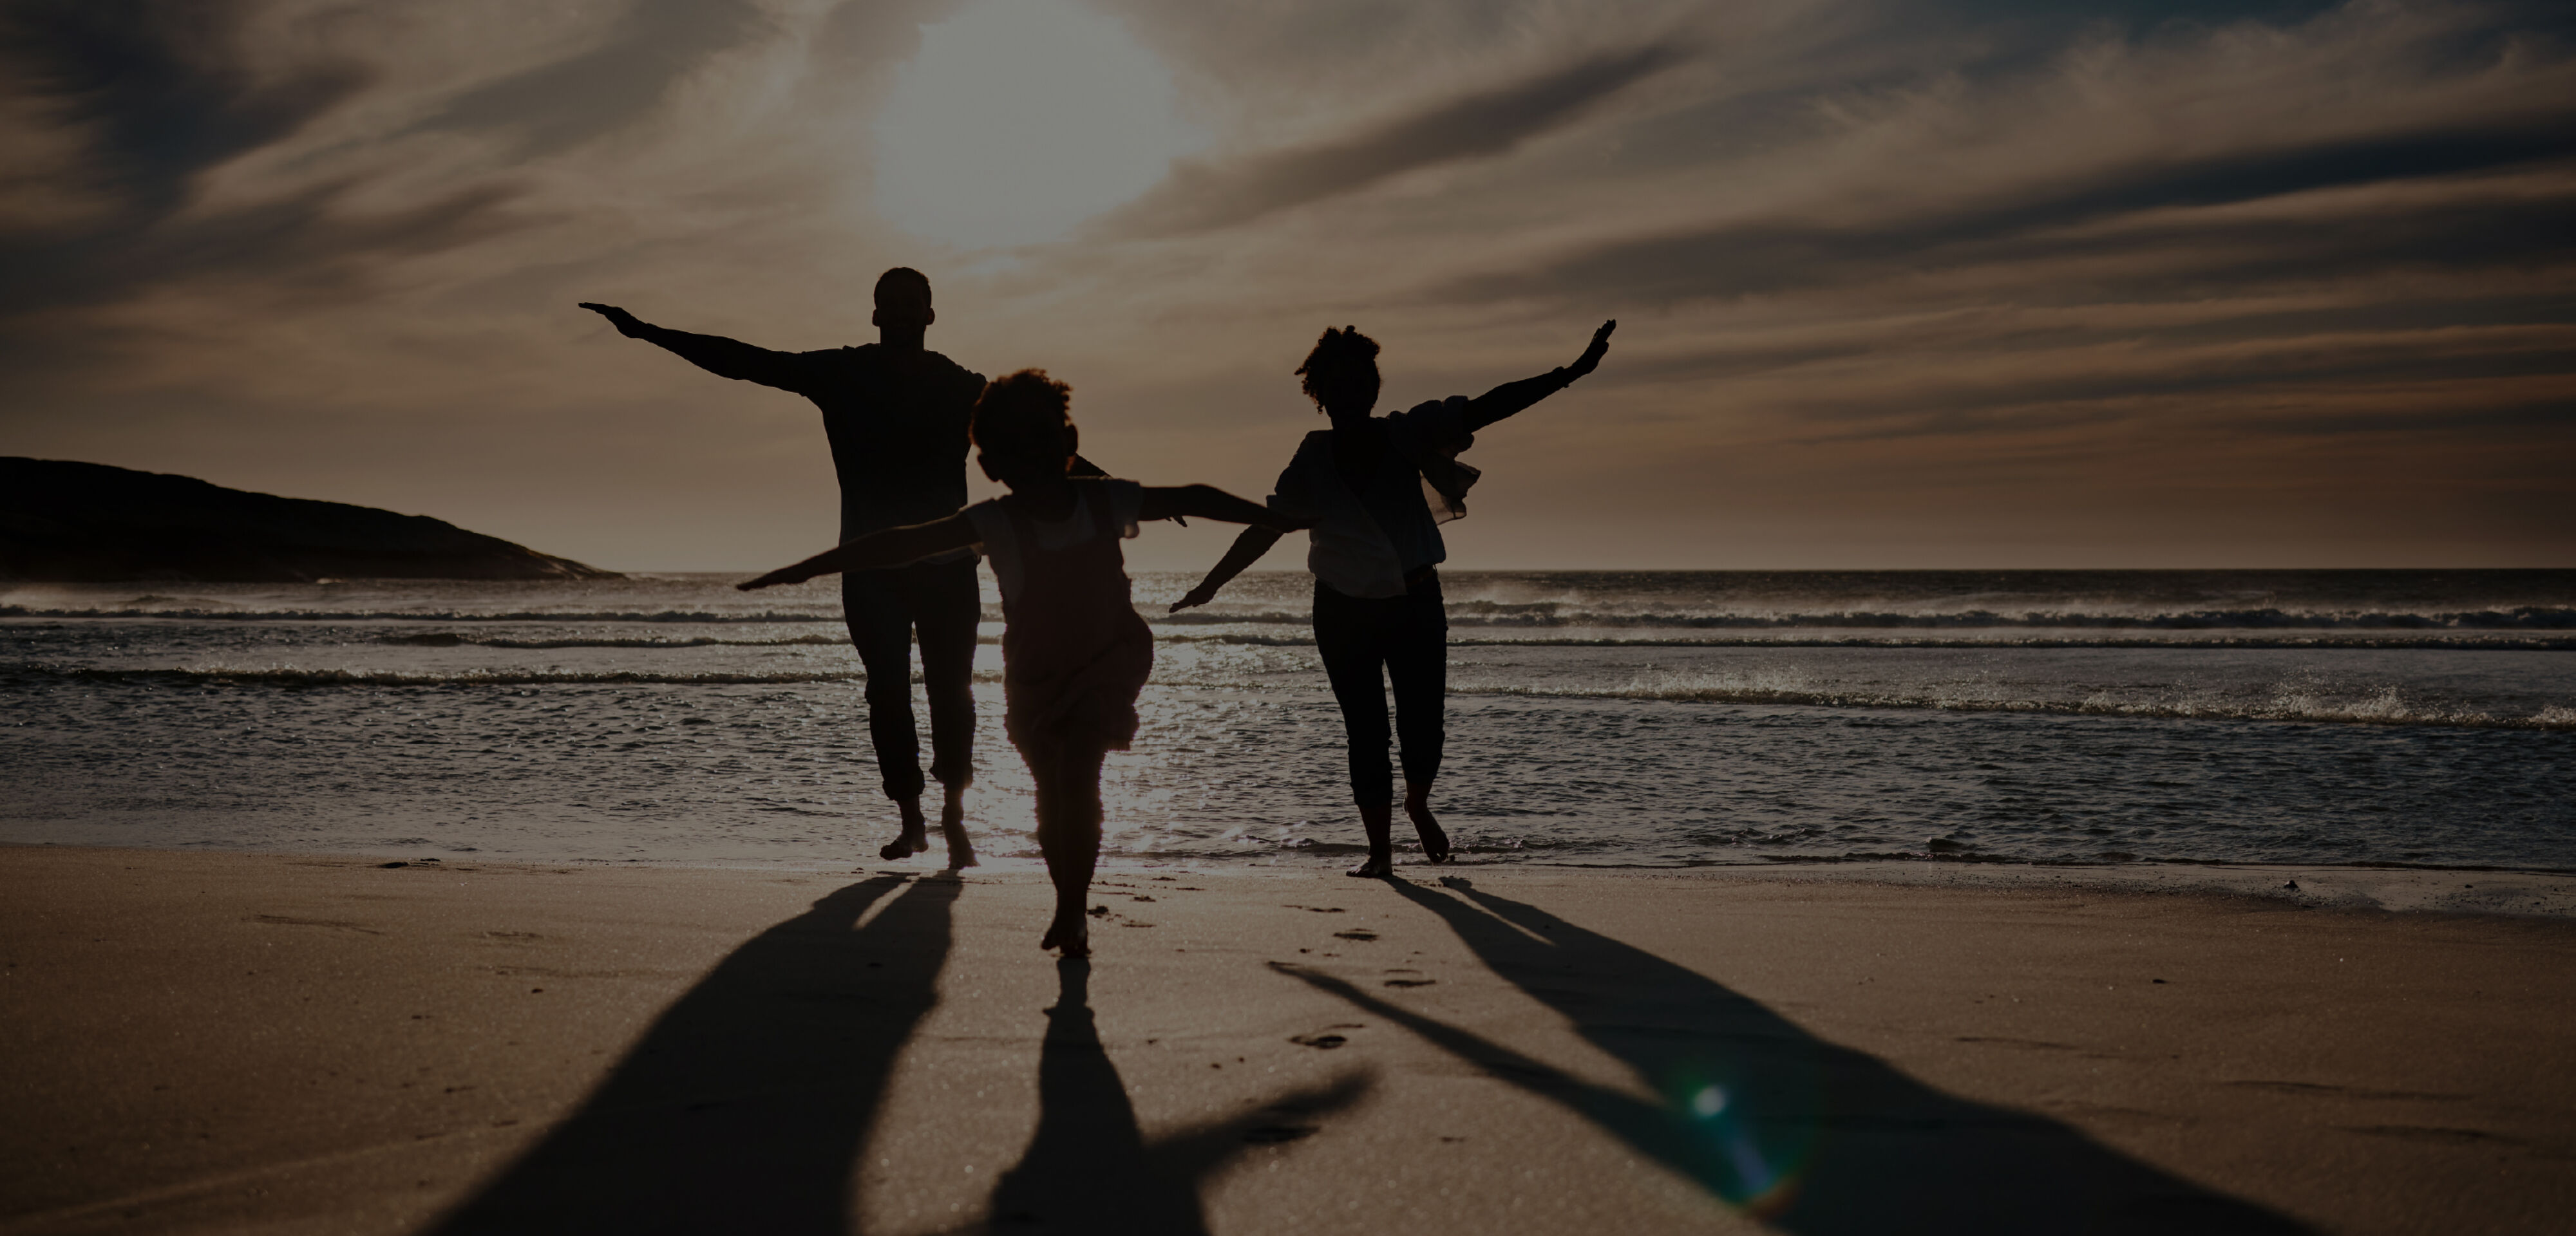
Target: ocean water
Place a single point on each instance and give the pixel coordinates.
(1614, 718)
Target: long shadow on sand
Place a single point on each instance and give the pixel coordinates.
(1088, 1167)
(1810, 1136)
(743, 1107)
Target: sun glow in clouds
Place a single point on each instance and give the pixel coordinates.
(1020, 119)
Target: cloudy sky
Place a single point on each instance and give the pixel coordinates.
(1978, 283)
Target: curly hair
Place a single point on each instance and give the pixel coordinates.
(1017, 408)
(1341, 369)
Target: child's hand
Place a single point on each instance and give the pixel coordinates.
(784, 575)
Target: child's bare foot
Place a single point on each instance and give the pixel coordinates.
(1378, 867)
(1435, 839)
(952, 829)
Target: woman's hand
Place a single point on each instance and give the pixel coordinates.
(1197, 597)
(796, 574)
(1591, 358)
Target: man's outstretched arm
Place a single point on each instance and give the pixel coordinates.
(725, 358)
(1513, 397)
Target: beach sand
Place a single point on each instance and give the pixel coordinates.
(197, 1041)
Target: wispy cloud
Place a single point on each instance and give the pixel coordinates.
(634, 66)
(1205, 195)
(156, 89)
(1878, 266)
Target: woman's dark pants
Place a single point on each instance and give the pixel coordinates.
(884, 609)
(1409, 637)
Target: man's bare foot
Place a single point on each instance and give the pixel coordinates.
(1435, 840)
(915, 836)
(904, 846)
(952, 829)
(1378, 867)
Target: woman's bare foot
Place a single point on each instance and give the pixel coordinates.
(1378, 867)
(952, 829)
(1071, 932)
(1435, 840)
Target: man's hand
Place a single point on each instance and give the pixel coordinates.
(1591, 358)
(626, 323)
(796, 574)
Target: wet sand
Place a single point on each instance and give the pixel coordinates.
(212, 1042)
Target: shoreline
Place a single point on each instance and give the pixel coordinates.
(2394, 888)
(217, 1041)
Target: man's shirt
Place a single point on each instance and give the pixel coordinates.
(898, 431)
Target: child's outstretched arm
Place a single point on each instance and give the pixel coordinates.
(1210, 502)
(892, 547)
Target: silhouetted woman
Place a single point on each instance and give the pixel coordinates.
(1377, 489)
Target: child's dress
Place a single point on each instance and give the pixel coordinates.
(1074, 651)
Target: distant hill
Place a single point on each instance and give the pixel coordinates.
(90, 523)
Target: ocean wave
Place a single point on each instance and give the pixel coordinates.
(1484, 614)
(2465, 640)
(1555, 614)
(451, 639)
(409, 615)
(291, 676)
(2288, 703)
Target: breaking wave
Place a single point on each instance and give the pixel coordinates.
(2292, 702)
(1475, 614)
(408, 615)
(451, 639)
(1963, 638)
(2387, 706)
(1471, 613)
(290, 676)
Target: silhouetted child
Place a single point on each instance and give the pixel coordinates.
(1074, 651)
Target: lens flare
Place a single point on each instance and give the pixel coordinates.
(1752, 1123)
(1708, 1102)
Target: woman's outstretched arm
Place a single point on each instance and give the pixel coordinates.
(892, 547)
(1248, 548)
(1513, 397)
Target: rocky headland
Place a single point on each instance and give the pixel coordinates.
(70, 522)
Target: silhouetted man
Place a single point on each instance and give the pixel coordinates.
(897, 416)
